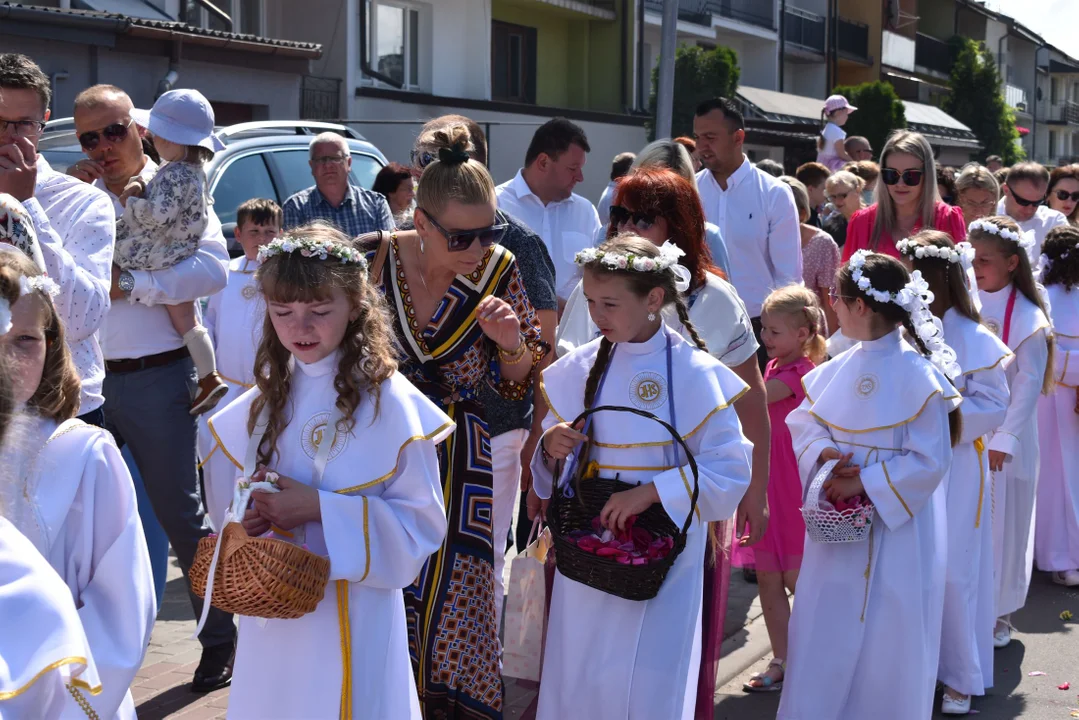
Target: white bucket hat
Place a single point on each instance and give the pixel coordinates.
(837, 102)
(184, 117)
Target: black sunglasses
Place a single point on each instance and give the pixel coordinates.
(911, 178)
(1022, 200)
(113, 133)
(620, 216)
(422, 158)
(1065, 195)
(463, 239)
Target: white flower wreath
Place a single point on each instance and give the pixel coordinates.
(915, 298)
(669, 255)
(1024, 240)
(319, 249)
(41, 283)
(962, 253)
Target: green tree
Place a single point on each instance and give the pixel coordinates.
(977, 102)
(699, 74)
(880, 111)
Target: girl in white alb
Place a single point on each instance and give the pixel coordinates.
(72, 494)
(609, 658)
(966, 646)
(370, 500)
(865, 628)
(1013, 309)
(1056, 537)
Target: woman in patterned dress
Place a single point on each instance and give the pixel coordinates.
(462, 318)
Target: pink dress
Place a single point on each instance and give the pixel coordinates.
(780, 549)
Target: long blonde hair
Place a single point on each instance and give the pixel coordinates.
(801, 305)
(915, 145)
(368, 355)
(454, 175)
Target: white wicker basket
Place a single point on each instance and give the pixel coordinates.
(824, 523)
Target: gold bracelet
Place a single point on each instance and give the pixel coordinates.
(514, 356)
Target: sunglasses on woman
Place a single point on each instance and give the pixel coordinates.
(1063, 195)
(1022, 200)
(113, 133)
(620, 216)
(910, 178)
(462, 240)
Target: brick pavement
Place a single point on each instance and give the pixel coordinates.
(162, 686)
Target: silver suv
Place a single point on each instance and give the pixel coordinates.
(266, 159)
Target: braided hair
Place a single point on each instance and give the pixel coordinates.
(1061, 249)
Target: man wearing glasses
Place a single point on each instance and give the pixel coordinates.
(1024, 195)
(353, 210)
(150, 377)
(75, 223)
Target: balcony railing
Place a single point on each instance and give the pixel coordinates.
(932, 54)
(852, 39)
(1066, 112)
(1016, 97)
(688, 10)
(320, 98)
(701, 12)
(804, 29)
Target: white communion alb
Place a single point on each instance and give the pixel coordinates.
(382, 516)
(608, 658)
(867, 615)
(75, 501)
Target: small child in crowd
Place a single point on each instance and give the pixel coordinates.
(164, 219)
(1056, 537)
(830, 149)
(234, 322)
(793, 334)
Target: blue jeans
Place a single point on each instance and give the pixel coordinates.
(156, 540)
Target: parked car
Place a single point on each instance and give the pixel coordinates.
(261, 159)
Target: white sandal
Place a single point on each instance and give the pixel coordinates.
(767, 684)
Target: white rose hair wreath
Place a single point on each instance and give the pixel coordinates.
(27, 285)
(317, 249)
(669, 255)
(962, 253)
(1023, 240)
(915, 298)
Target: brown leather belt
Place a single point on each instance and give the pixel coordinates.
(145, 363)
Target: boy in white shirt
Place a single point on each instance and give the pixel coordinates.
(234, 319)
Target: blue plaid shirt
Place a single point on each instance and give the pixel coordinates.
(362, 211)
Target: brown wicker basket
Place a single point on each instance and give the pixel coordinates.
(260, 577)
(567, 513)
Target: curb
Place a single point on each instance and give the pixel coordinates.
(741, 651)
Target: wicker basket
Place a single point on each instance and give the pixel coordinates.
(575, 509)
(826, 524)
(260, 577)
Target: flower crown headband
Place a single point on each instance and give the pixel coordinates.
(669, 255)
(318, 249)
(915, 298)
(1023, 240)
(27, 285)
(962, 253)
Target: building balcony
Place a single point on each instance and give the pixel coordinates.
(752, 12)
(1065, 113)
(1016, 97)
(804, 30)
(688, 11)
(852, 41)
(932, 55)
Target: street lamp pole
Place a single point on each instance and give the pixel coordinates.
(665, 91)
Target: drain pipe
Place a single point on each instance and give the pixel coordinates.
(169, 81)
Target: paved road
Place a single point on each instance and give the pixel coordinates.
(1043, 643)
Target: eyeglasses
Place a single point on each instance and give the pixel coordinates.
(462, 239)
(620, 216)
(330, 160)
(986, 205)
(835, 296)
(1022, 200)
(113, 133)
(910, 178)
(22, 128)
(838, 196)
(1063, 195)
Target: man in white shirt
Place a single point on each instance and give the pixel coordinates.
(541, 196)
(150, 377)
(619, 168)
(754, 211)
(75, 223)
(1024, 193)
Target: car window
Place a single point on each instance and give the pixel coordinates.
(242, 180)
(295, 170)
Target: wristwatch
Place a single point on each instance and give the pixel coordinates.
(126, 282)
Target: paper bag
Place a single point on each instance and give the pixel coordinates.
(522, 653)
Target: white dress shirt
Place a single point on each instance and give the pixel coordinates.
(759, 222)
(1044, 220)
(76, 225)
(566, 227)
(141, 326)
(605, 202)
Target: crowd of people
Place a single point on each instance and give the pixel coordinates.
(387, 378)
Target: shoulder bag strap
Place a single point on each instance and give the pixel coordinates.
(375, 273)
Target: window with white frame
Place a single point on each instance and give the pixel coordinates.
(248, 16)
(394, 40)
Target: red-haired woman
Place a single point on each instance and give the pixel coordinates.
(660, 205)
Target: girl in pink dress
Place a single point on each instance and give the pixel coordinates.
(793, 334)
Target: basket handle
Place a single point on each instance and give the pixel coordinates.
(818, 481)
(678, 439)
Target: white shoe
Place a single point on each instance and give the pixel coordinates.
(1068, 578)
(953, 706)
(1002, 635)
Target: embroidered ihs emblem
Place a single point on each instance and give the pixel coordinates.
(994, 325)
(866, 385)
(249, 291)
(648, 390)
(314, 430)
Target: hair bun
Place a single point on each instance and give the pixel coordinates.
(454, 155)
